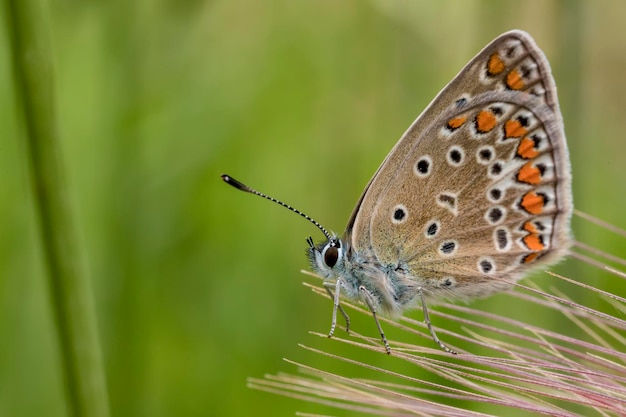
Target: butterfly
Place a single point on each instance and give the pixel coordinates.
(475, 194)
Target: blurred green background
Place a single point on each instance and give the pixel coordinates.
(197, 286)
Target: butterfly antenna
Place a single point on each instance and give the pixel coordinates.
(243, 187)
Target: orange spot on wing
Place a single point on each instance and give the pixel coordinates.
(485, 121)
(530, 227)
(533, 202)
(526, 149)
(514, 80)
(532, 240)
(495, 65)
(456, 122)
(530, 257)
(529, 174)
(514, 129)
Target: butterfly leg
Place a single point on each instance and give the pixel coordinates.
(430, 327)
(337, 305)
(367, 296)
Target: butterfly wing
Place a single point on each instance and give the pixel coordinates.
(478, 188)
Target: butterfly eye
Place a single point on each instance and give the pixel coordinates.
(331, 254)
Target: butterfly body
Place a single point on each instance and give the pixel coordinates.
(391, 285)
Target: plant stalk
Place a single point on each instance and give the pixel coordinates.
(69, 287)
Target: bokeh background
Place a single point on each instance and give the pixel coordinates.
(197, 286)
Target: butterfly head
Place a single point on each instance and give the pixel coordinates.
(327, 258)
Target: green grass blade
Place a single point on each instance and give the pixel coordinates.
(68, 284)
